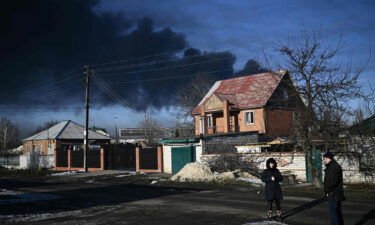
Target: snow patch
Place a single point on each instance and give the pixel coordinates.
(64, 173)
(20, 197)
(265, 223)
(251, 180)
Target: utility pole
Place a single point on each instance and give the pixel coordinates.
(117, 134)
(86, 132)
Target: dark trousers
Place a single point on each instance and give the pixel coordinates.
(270, 203)
(335, 212)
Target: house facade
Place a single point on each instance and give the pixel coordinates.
(61, 146)
(267, 103)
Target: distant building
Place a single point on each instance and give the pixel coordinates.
(64, 135)
(136, 135)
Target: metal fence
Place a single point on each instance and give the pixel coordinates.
(10, 160)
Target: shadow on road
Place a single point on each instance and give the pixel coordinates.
(86, 197)
(14, 183)
(302, 207)
(368, 216)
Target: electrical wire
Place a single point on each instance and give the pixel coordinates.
(165, 68)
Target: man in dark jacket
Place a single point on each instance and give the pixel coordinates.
(333, 188)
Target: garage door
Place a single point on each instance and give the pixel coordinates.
(182, 156)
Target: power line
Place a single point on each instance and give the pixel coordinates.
(47, 83)
(170, 77)
(237, 45)
(111, 92)
(165, 68)
(43, 88)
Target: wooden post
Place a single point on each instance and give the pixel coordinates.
(160, 159)
(137, 160)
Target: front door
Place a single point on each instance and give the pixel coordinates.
(182, 156)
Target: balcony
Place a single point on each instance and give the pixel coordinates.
(220, 129)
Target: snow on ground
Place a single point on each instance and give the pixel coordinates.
(265, 223)
(19, 197)
(64, 173)
(37, 216)
(129, 173)
(251, 180)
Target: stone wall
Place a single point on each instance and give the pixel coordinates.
(226, 143)
(295, 164)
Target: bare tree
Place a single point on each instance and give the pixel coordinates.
(44, 126)
(184, 129)
(326, 83)
(153, 131)
(193, 93)
(8, 134)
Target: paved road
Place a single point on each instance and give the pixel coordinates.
(121, 201)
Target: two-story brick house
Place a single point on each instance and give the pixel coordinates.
(267, 102)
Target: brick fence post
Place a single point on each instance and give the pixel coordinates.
(160, 159)
(102, 158)
(69, 159)
(137, 160)
(55, 156)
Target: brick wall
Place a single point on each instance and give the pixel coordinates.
(44, 144)
(279, 122)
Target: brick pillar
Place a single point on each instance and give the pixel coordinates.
(160, 159)
(69, 159)
(102, 159)
(204, 123)
(55, 156)
(137, 161)
(226, 116)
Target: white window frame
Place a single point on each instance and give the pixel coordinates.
(201, 125)
(40, 147)
(210, 121)
(27, 148)
(245, 118)
(33, 148)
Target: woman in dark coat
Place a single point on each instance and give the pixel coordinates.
(272, 176)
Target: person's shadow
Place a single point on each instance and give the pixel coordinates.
(368, 216)
(302, 207)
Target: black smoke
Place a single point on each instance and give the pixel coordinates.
(41, 40)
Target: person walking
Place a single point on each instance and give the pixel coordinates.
(272, 176)
(333, 188)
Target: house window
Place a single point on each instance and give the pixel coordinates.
(34, 148)
(40, 148)
(285, 95)
(296, 116)
(28, 148)
(209, 121)
(249, 118)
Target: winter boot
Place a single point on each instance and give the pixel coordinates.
(269, 214)
(279, 214)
